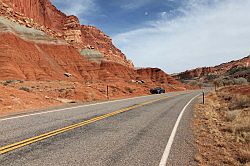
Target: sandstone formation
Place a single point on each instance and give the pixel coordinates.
(42, 15)
(42, 43)
(156, 75)
(49, 57)
(216, 70)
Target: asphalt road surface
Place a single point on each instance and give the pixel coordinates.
(149, 130)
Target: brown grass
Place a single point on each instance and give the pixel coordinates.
(222, 129)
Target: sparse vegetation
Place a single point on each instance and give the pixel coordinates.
(130, 90)
(237, 69)
(7, 82)
(227, 81)
(222, 128)
(193, 83)
(211, 77)
(240, 81)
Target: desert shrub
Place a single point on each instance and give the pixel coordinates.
(130, 90)
(227, 82)
(7, 82)
(211, 76)
(27, 89)
(240, 81)
(237, 69)
(193, 83)
(232, 115)
(239, 102)
(218, 82)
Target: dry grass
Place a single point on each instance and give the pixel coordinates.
(222, 129)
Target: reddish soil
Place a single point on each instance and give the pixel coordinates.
(22, 96)
(14, 101)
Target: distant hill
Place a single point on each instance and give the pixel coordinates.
(233, 69)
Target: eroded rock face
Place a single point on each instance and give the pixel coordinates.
(72, 30)
(41, 11)
(94, 38)
(156, 75)
(42, 15)
(216, 70)
(38, 42)
(25, 60)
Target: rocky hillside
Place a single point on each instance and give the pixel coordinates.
(49, 57)
(42, 15)
(236, 68)
(39, 42)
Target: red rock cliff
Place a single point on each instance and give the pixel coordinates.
(42, 11)
(57, 24)
(156, 75)
(38, 42)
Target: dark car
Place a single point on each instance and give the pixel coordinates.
(157, 90)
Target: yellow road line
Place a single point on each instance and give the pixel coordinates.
(31, 140)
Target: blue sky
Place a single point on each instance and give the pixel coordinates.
(118, 16)
(174, 35)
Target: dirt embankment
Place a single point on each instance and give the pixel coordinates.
(222, 127)
(23, 96)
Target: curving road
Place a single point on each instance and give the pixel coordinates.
(136, 131)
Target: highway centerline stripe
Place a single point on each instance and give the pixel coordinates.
(31, 140)
(64, 109)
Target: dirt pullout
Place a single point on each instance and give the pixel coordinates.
(222, 127)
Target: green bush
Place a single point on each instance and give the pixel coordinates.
(211, 76)
(234, 70)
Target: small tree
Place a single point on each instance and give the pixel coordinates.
(211, 77)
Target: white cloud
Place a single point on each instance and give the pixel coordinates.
(135, 4)
(206, 35)
(80, 8)
(163, 14)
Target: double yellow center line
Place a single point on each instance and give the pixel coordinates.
(31, 140)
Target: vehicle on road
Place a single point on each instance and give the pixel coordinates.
(157, 90)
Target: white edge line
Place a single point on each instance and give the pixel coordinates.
(58, 110)
(165, 155)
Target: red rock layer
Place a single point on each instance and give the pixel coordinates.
(96, 39)
(156, 75)
(30, 60)
(25, 60)
(218, 70)
(57, 24)
(42, 11)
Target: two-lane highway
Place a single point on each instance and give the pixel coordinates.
(145, 130)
